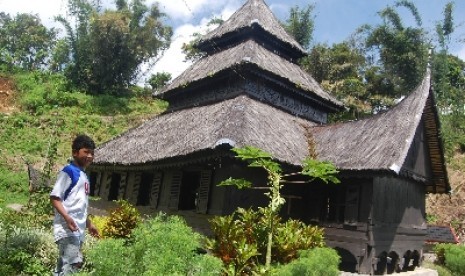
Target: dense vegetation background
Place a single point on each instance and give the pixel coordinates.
(88, 81)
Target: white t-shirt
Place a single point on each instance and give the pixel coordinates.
(72, 187)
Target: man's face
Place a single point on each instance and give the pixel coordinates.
(83, 157)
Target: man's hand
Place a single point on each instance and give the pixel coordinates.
(93, 231)
(71, 223)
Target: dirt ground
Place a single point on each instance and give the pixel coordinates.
(7, 91)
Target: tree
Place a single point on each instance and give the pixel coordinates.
(108, 47)
(339, 69)
(159, 80)
(190, 50)
(312, 168)
(24, 41)
(301, 24)
(402, 51)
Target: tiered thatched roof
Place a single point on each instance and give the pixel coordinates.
(379, 143)
(253, 14)
(245, 54)
(240, 121)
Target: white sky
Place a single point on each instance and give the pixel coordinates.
(335, 19)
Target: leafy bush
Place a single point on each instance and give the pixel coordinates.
(314, 262)
(452, 256)
(163, 245)
(26, 251)
(240, 239)
(99, 222)
(121, 221)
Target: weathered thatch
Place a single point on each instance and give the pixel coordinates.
(240, 121)
(378, 143)
(382, 142)
(250, 53)
(253, 12)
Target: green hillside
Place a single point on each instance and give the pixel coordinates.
(39, 115)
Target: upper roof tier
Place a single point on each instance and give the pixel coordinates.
(248, 53)
(253, 19)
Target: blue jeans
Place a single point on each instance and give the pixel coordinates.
(69, 256)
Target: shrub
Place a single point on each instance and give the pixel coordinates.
(163, 245)
(292, 236)
(314, 262)
(121, 221)
(240, 239)
(167, 246)
(27, 252)
(111, 257)
(99, 222)
(452, 256)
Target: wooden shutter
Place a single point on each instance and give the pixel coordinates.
(155, 191)
(98, 184)
(351, 202)
(122, 184)
(175, 190)
(135, 188)
(204, 190)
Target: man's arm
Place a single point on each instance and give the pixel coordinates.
(58, 205)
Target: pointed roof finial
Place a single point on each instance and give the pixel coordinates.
(253, 18)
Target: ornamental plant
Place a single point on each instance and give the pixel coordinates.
(121, 221)
(240, 240)
(311, 168)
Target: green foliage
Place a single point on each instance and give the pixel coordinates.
(301, 24)
(314, 262)
(452, 256)
(158, 80)
(258, 158)
(403, 51)
(108, 47)
(322, 170)
(240, 239)
(293, 236)
(121, 221)
(25, 251)
(99, 222)
(190, 49)
(163, 245)
(236, 241)
(24, 41)
(339, 69)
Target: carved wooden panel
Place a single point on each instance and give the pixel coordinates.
(175, 190)
(204, 191)
(156, 187)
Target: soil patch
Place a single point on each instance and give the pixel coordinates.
(7, 93)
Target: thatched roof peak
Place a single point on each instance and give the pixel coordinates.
(254, 16)
(382, 142)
